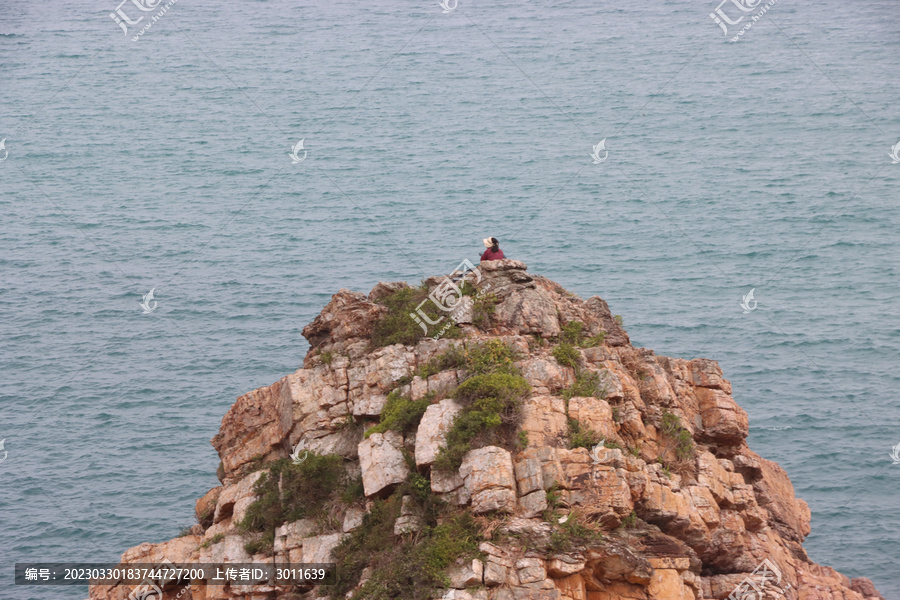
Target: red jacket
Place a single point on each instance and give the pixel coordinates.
(491, 255)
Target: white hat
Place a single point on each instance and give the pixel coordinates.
(487, 242)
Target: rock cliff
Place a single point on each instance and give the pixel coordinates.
(530, 453)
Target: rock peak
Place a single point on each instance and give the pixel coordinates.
(504, 441)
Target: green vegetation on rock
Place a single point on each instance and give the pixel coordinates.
(289, 492)
(681, 438)
(587, 383)
(490, 406)
(573, 333)
(401, 414)
(408, 567)
(581, 436)
(397, 326)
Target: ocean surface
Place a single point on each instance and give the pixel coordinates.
(163, 164)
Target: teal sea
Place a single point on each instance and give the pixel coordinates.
(163, 163)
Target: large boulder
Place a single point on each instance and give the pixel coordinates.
(255, 428)
(490, 480)
(349, 316)
(432, 432)
(382, 463)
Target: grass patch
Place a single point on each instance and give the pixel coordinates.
(327, 357)
(490, 406)
(681, 440)
(630, 522)
(581, 436)
(213, 540)
(401, 414)
(567, 355)
(587, 383)
(289, 492)
(407, 567)
(521, 440)
(573, 532)
(353, 492)
(483, 310)
(573, 333)
(491, 356)
(398, 327)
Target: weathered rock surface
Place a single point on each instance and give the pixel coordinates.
(680, 522)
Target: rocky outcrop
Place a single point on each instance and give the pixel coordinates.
(686, 509)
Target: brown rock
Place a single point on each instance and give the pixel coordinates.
(383, 289)
(349, 315)
(544, 420)
(254, 428)
(205, 507)
(595, 414)
(865, 587)
(723, 420)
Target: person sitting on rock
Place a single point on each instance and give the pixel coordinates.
(493, 251)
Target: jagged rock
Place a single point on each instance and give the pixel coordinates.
(382, 462)
(383, 289)
(353, 518)
(528, 311)
(529, 475)
(410, 519)
(466, 573)
(530, 570)
(370, 380)
(563, 565)
(235, 499)
(254, 428)
(432, 431)
(317, 549)
(533, 504)
(455, 594)
(696, 531)
(349, 315)
(595, 414)
(865, 587)
(205, 507)
(502, 277)
(723, 420)
(545, 375)
(497, 564)
(489, 479)
(544, 420)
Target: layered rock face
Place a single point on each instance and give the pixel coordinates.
(687, 510)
